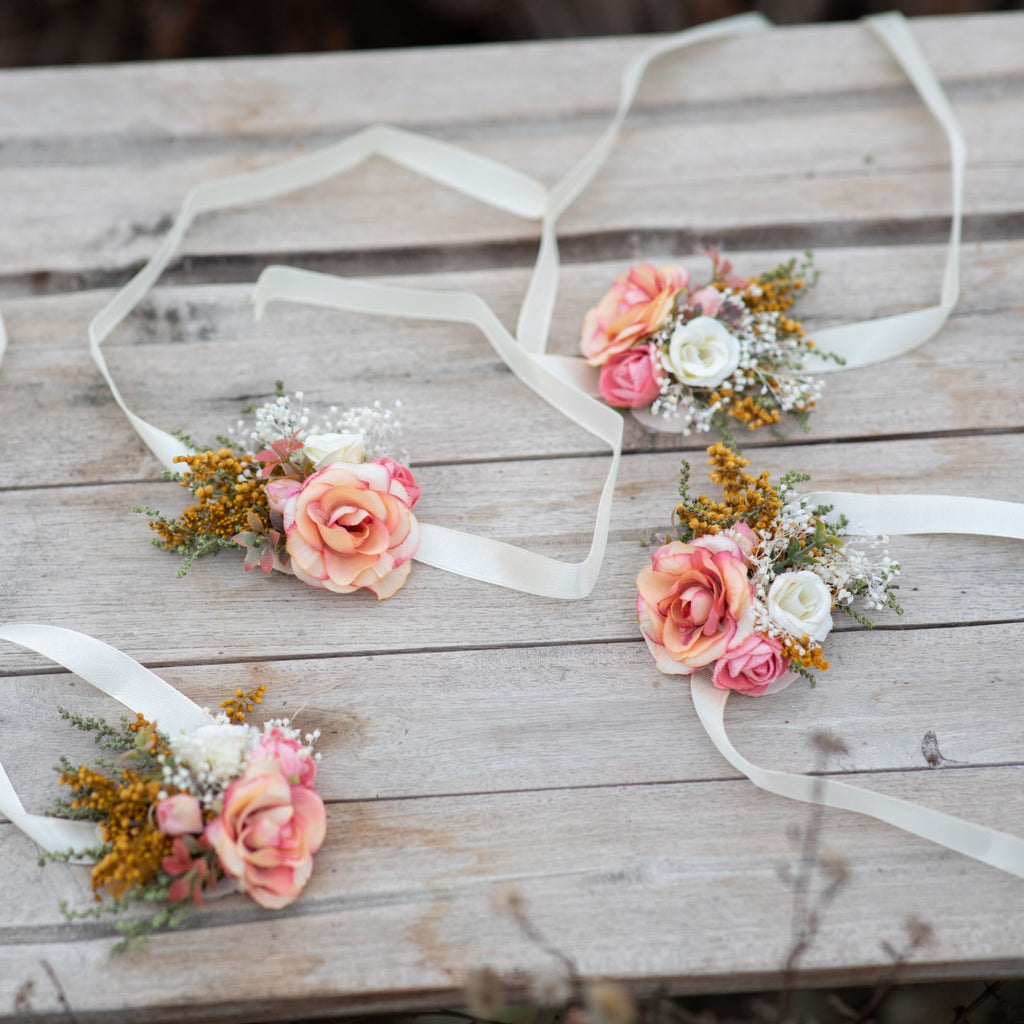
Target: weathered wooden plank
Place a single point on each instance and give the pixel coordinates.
(235, 99)
(416, 725)
(655, 181)
(436, 369)
(670, 172)
(684, 880)
(79, 546)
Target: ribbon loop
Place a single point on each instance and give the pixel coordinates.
(885, 514)
(476, 557)
(874, 341)
(990, 846)
(538, 306)
(114, 673)
(474, 175)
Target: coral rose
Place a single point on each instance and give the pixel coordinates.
(267, 833)
(694, 602)
(629, 380)
(755, 666)
(348, 526)
(636, 305)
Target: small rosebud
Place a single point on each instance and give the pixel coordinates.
(179, 815)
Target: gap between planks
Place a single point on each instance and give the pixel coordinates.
(525, 645)
(576, 248)
(684, 449)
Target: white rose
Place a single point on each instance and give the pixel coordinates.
(322, 449)
(702, 353)
(215, 749)
(801, 604)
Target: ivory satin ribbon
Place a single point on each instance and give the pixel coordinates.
(479, 558)
(114, 673)
(885, 514)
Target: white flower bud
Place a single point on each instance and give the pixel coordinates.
(702, 353)
(801, 604)
(323, 449)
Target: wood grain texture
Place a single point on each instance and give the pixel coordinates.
(483, 747)
(427, 897)
(840, 119)
(624, 722)
(426, 87)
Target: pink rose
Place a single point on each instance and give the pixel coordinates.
(629, 379)
(179, 815)
(637, 305)
(267, 834)
(403, 474)
(709, 298)
(348, 525)
(295, 761)
(752, 666)
(694, 602)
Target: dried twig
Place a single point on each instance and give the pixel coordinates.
(808, 915)
(59, 988)
(964, 1013)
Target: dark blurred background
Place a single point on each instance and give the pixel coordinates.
(36, 32)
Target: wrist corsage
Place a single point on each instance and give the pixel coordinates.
(177, 814)
(327, 502)
(748, 585)
(696, 357)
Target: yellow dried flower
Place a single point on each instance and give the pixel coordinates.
(137, 846)
(227, 488)
(744, 497)
(241, 702)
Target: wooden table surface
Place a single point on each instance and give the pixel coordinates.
(485, 750)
